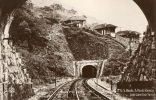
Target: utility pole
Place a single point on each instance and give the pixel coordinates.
(55, 76)
(130, 40)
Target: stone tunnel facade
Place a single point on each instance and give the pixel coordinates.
(88, 67)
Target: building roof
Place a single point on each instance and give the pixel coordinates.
(76, 18)
(101, 26)
(128, 33)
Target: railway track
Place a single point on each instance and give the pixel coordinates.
(66, 91)
(76, 90)
(95, 94)
(73, 93)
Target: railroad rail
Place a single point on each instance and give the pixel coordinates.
(95, 92)
(71, 93)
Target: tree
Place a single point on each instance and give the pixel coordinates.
(26, 27)
(112, 67)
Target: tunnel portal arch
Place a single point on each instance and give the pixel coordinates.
(81, 66)
(89, 71)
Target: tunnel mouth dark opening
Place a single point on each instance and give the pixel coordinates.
(89, 71)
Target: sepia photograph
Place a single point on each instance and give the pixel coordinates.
(77, 49)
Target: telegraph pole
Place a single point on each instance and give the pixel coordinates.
(55, 76)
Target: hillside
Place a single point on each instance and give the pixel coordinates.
(114, 47)
(48, 49)
(85, 46)
(38, 36)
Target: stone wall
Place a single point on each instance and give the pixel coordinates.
(13, 76)
(125, 42)
(79, 65)
(122, 40)
(17, 91)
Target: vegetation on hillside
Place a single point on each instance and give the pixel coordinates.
(115, 63)
(48, 48)
(86, 47)
(38, 36)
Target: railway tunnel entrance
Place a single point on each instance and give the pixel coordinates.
(87, 68)
(89, 71)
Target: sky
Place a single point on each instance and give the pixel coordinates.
(123, 13)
